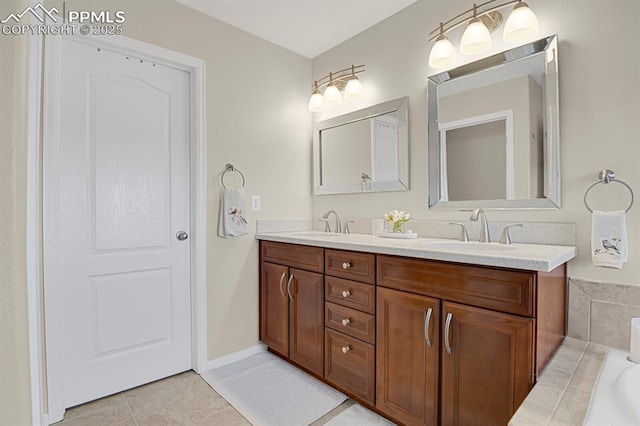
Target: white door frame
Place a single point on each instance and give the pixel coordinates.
(43, 80)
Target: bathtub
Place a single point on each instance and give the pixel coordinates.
(615, 399)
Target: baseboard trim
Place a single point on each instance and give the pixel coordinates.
(236, 356)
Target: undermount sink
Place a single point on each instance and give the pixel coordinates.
(468, 246)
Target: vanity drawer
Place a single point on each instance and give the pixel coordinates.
(349, 364)
(350, 293)
(498, 289)
(303, 257)
(349, 321)
(351, 265)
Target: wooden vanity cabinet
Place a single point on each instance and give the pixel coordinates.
(498, 328)
(292, 303)
(487, 365)
(422, 342)
(408, 349)
(274, 308)
(350, 323)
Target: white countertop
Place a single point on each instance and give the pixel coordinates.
(532, 257)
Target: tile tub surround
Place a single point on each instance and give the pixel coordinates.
(601, 312)
(562, 394)
(531, 257)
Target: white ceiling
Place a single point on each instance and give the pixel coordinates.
(307, 27)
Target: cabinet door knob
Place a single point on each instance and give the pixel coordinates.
(346, 349)
(346, 293)
(346, 321)
(346, 265)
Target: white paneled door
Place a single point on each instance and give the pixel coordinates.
(117, 214)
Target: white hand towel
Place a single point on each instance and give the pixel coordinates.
(233, 219)
(609, 239)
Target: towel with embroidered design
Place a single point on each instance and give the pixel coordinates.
(233, 217)
(609, 239)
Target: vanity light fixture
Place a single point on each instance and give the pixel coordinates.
(476, 38)
(335, 83)
(481, 19)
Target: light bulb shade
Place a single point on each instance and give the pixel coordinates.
(443, 54)
(476, 38)
(332, 96)
(521, 25)
(353, 90)
(315, 102)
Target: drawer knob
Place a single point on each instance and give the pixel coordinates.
(346, 293)
(346, 349)
(346, 265)
(346, 321)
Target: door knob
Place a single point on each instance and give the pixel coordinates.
(182, 235)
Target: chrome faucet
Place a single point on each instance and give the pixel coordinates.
(505, 238)
(464, 236)
(338, 228)
(484, 225)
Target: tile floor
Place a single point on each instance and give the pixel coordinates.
(183, 399)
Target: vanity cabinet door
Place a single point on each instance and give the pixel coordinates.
(407, 356)
(487, 365)
(292, 314)
(306, 319)
(274, 308)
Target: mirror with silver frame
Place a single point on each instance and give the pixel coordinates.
(363, 151)
(494, 131)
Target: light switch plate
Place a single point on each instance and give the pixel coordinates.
(255, 203)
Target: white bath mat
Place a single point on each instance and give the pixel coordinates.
(267, 391)
(360, 416)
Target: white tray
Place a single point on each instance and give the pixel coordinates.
(399, 235)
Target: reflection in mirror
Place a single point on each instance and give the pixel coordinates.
(493, 131)
(363, 151)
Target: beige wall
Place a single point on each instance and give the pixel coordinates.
(477, 162)
(509, 95)
(346, 153)
(600, 106)
(256, 119)
(15, 398)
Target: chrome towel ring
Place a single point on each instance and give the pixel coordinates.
(606, 176)
(229, 168)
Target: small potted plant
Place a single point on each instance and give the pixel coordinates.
(397, 219)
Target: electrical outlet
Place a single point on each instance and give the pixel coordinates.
(255, 203)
